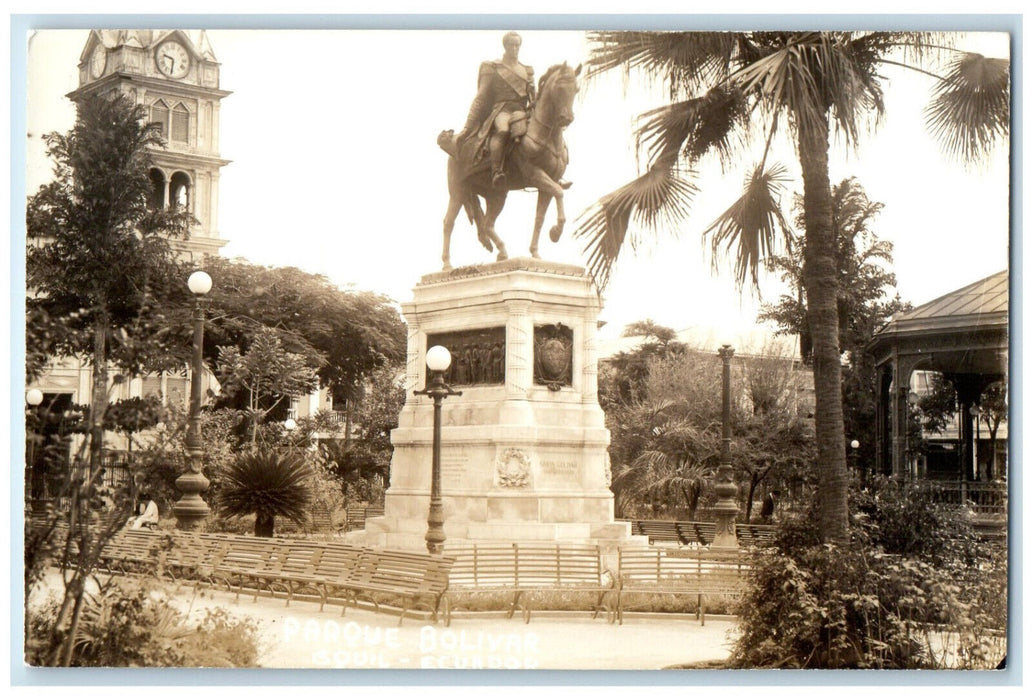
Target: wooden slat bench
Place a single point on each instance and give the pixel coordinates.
(130, 551)
(755, 535)
(248, 562)
(357, 516)
(693, 533)
(409, 578)
(322, 520)
(661, 531)
(314, 567)
(520, 569)
(700, 573)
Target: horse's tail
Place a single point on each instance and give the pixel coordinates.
(468, 206)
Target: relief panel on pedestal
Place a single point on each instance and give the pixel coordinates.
(478, 356)
(553, 356)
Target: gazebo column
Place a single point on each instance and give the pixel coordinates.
(883, 429)
(969, 387)
(903, 366)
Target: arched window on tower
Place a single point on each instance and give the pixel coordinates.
(157, 198)
(160, 115)
(180, 124)
(179, 190)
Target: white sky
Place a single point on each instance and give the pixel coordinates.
(335, 169)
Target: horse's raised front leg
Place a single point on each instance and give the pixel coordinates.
(539, 217)
(539, 179)
(494, 203)
(450, 219)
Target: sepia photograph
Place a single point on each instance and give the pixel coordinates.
(605, 347)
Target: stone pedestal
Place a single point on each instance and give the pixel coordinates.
(524, 449)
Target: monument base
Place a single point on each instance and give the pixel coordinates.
(410, 533)
(524, 448)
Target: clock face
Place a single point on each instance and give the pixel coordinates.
(173, 60)
(98, 59)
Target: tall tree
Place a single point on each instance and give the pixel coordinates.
(98, 259)
(864, 303)
(266, 374)
(723, 84)
(346, 334)
(624, 375)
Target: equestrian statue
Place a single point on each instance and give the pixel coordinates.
(512, 140)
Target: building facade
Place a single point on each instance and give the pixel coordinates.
(174, 75)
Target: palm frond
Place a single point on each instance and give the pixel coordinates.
(815, 75)
(272, 483)
(753, 225)
(970, 109)
(695, 126)
(685, 59)
(783, 80)
(660, 196)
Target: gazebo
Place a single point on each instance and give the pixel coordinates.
(964, 336)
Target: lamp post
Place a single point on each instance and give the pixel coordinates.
(726, 508)
(191, 509)
(438, 360)
(33, 398)
(854, 445)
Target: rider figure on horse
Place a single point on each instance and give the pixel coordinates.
(505, 94)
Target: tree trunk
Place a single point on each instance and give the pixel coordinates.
(820, 280)
(264, 524)
(99, 397)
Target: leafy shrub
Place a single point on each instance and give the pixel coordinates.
(911, 590)
(903, 522)
(126, 623)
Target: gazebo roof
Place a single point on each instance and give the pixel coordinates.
(982, 301)
(965, 330)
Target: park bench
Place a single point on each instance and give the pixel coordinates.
(755, 535)
(129, 551)
(691, 572)
(334, 561)
(407, 579)
(247, 562)
(682, 532)
(177, 556)
(321, 520)
(523, 569)
(693, 533)
(662, 531)
(357, 515)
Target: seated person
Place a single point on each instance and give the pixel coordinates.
(147, 514)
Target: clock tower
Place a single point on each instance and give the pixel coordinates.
(174, 75)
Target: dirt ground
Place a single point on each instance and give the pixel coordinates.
(299, 636)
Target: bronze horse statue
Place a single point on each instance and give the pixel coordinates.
(536, 160)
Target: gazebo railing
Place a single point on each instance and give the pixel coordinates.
(981, 498)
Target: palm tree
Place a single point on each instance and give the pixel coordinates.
(728, 86)
(675, 462)
(268, 484)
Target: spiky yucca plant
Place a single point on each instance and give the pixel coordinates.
(268, 484)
